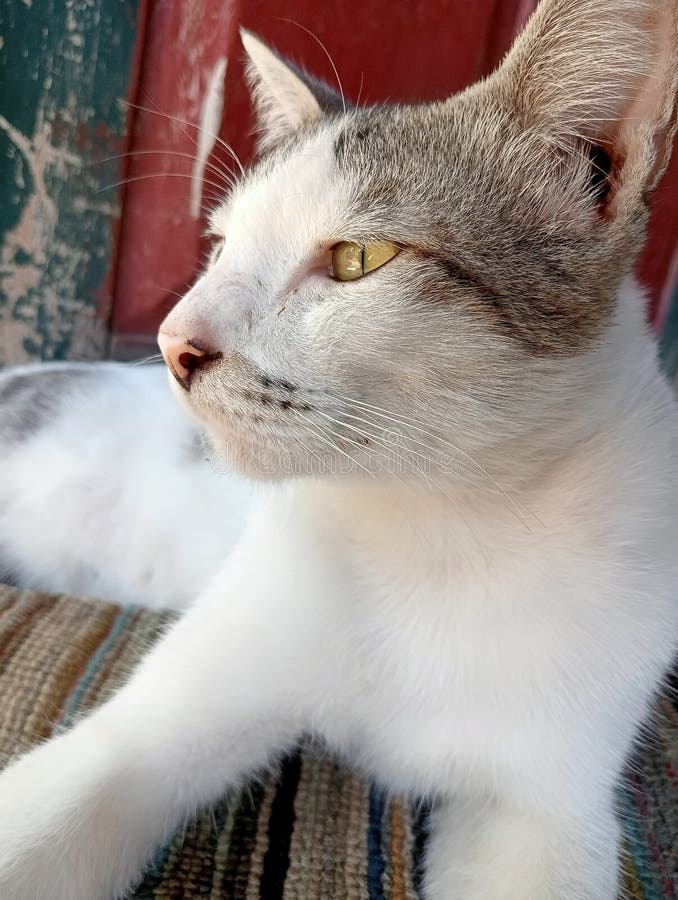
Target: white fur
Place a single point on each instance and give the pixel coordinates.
(115, 498)
(444, 648)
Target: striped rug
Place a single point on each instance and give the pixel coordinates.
(313, 831)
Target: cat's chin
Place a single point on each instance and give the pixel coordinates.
(250, 462)
(255, 458)
(251, 456)
(240, 453)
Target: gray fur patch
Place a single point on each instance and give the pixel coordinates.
(489, 204)
(7, 572)
(198, 449)
(28, 401)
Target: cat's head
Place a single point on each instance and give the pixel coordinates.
(413, 288)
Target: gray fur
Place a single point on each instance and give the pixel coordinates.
(7, 572)
(473, 206)
(30, 400)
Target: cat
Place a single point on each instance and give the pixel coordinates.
(419, 334)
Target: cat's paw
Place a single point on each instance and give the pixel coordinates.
(59, 838)
(481, 852)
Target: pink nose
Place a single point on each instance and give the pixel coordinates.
(184, 356)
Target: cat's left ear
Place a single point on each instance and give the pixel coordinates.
(285, 98)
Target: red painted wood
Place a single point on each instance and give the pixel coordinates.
(658, 264)
(507, 20)
(160, 240)
(391, 51)
(108, 288)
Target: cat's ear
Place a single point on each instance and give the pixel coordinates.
(285, 98)
(604, 72)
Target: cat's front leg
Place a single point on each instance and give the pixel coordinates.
(219, 695)
(480, 849)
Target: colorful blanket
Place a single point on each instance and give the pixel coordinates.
(312, 831)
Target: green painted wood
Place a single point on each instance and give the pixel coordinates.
(668, 342)
(64, 65)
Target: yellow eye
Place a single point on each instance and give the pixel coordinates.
(351, 260)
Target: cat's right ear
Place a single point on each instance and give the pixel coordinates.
(285, 98)
(602, 72)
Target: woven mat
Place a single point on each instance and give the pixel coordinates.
(314, 832)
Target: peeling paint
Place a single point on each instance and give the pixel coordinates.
(57, 116)
(210, 119)
(24, 250)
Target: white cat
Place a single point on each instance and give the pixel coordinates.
(419, 332)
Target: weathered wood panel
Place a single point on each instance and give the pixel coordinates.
(658, 265)
(63, 68)
(186, 50)
(668, 344)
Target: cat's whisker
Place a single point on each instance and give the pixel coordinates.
(325, 436)
(425, 456)
(227, 175)
(215, 200)
(360, 89)
(148, 99)
(408, 465)
(327, 54)
(385, 414)
(218, 140)
(110, 187)
(389, 468)
(210, 204)
(431, 482)
(187, 124)
(388, 455)
(399, 420)
(322, 464)
(147, 360)
(407, 421)
(167, 290)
